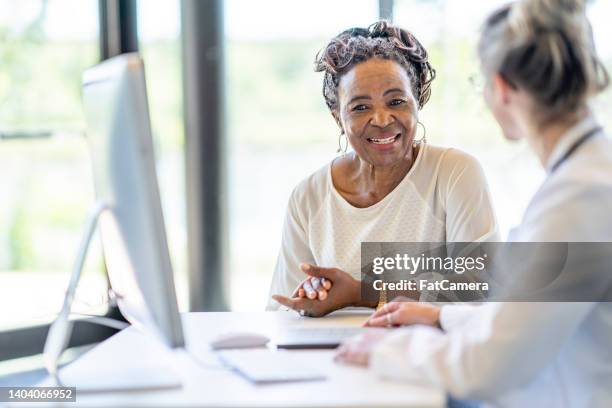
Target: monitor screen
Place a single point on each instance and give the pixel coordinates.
(132, 230)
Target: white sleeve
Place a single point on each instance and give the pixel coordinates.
(469, 211)
(503, 346)
(294, 250)
(454, 315)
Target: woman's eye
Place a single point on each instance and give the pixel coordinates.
(396, 102)
(360, 107)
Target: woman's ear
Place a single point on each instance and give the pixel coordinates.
(502, 89)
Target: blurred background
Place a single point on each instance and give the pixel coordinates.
(277, 130)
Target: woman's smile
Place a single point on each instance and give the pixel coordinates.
(385, 141)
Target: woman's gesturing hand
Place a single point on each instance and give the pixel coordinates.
(405, 312)
(347, 292)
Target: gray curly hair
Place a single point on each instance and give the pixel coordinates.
(379, 40)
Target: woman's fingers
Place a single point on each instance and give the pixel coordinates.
(300, 291)
(287, 302)
(296, 292)
(322, 294)
(313, 287)
(407, 313)
(357, 350)
(316, 283)
(318, 287)
(380, 317)
(310, 292)
(387, 308)
(389, 319)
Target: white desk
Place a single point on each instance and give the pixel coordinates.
(345, 387)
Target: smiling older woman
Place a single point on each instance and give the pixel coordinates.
(390, 188)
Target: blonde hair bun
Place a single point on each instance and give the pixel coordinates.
(546, 48)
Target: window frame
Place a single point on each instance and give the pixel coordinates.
(118, 33)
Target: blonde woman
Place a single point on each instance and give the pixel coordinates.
(541, 72)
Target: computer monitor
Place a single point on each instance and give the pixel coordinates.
(128, 211)
(132, 228)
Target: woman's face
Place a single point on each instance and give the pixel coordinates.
(377, 111)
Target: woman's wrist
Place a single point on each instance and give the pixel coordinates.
(435, 316)
(357, 300)
(367, 303)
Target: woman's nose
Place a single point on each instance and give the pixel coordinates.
(381, 118)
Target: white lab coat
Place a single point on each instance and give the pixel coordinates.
(527, 354)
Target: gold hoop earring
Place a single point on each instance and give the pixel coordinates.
(423, 139)
(340, 149)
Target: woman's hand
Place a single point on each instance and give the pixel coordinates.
(357, 350)
(405, 312)
(347, 292)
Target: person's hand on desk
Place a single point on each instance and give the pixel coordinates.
(346, 292)
(400, 312)
(405, 312)
(357, 350)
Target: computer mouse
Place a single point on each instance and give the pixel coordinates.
(238, 340)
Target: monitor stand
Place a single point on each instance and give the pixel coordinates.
(61, 330)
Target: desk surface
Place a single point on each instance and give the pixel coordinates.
(214, 387)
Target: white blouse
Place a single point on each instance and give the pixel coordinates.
(443, 198)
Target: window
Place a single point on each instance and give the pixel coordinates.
(280, 130)
(160, 46)
(46, 185)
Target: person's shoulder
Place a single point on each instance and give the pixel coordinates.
(573, 203)
(450, 161)
(584, 181)
(591, 167)
(570, 209)
(458, 158)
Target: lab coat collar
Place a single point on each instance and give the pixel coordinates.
(570, 137)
